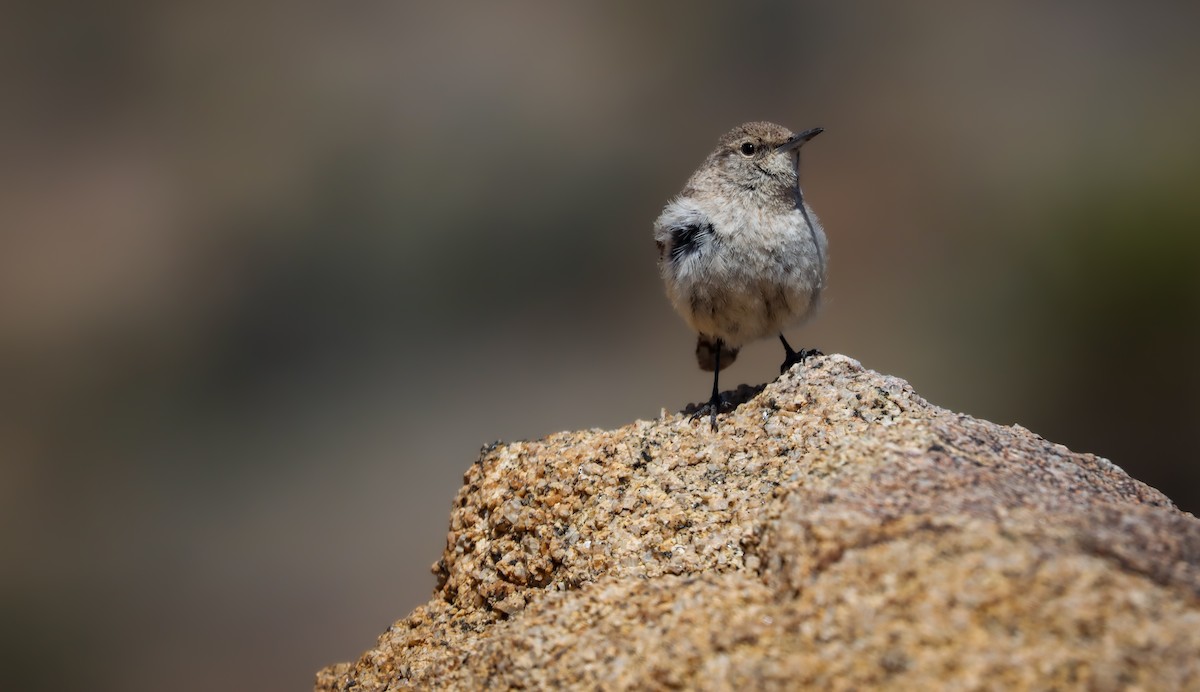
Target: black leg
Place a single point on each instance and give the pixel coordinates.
(788, 353)
(791, 357)
(714, 402)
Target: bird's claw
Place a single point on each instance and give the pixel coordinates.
(715, 405)
(800, 356)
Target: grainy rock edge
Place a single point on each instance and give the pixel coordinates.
(837, 532)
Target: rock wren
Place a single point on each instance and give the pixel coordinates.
(740, 252)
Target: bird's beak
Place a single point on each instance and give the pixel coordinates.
(795, 141)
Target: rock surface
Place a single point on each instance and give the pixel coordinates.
(838, 532)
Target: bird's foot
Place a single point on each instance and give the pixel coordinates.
(792, 357)
(717, 404)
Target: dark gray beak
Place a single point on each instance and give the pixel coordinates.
(795, 141)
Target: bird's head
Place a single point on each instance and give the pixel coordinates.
(759, 156)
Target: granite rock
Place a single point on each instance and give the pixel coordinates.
(837, 532)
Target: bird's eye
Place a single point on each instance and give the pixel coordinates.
(748, 149)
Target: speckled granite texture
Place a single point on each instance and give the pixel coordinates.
(838, 532)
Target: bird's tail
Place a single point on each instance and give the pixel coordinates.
(707, 348)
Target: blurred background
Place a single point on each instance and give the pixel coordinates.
(272, 272)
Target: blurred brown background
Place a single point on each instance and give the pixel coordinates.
(271, 273)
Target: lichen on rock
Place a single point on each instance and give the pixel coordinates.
(837, 532)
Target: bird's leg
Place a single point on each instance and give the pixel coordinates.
(791, 357)
(715, 402)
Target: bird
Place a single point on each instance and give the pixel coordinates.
(741, 254)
